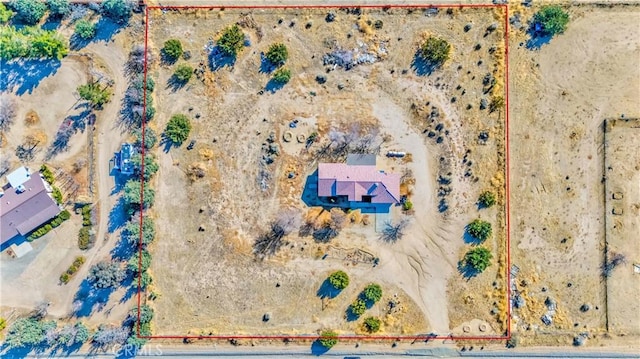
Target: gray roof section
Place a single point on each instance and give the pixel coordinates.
(361, 159)
(20, 213)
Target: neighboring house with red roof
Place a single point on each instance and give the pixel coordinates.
(358, 184)
(25, 204)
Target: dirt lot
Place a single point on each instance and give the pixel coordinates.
(202, 274)
(560, 96)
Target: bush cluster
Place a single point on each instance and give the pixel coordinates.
(85, 239)
(31, 42)
(282, 75)
(372, 324)
(487, 199)
(172, 49)
(5, 14)
(183, 73)
(85, 29)
(479, 229)
(178, 128)
(478, 258)
(231, 40)
(46, 228)
(435, 51)
(328, 339)
(57, 195)
(73, 268)
(47, 174)
(358, 307)
(339, 280)
(95, 94)
(29, 11)
(277, 54)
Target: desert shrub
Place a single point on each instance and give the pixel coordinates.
(478, 258)
(392, 232)
(435, 51)
(58, 7)
(407, 205)
(172, 49)
(231, 40)
(85, 29)
(277, 54)
(328, 339)
(358, 307)
(3, 324)
(551, 20)
(95, 94)
(117, 10)
(47, 174)
(29, 11)
(497, 103)
(64, 278)
(372, 293)
(64, 215)
(282, 75)
(57, 195)
(132, 195)
(5, 14)
(372, 324)
(84, 238)
(479, 229)
(106, 275)
(79, 261)
(339, 280)
(183, 73)
(178, 128)
(487, 199)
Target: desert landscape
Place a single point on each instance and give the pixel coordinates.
(226, 195)
(315, 176)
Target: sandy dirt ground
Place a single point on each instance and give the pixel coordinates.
(560, 96)
(193, 269)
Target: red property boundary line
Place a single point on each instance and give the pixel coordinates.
(423, 337)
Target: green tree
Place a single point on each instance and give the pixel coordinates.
(59, 7)
(231, 40)
(551, 20)
(150, 165)
(29, 11)
(479, 229)
(85, 29)
(178, 128)
(277, 54)
(135, 265)
(358, 307)
(47, 44)
(372, 324)
(95, 94)
(131, 232)
(372, 293)
(183, 73)
(71, 335)
(145, 280)
(339, 280)
(31, 42)
(487, 199)
(132, 195)
(150, 138)
(282, 75)
(117, 10)
(328, 339)
(435, 51)
(5, 14)
(134, 340)
(172, 49)
(106, 274)
(478, 258)
(146, 314)
(27, 332)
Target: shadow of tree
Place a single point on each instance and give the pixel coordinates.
(167, 144)
(350, 316)
(421, 66)
(118, 215)
(537, 37)
(90, 299)
(466, 270)
(266, 66)
(274, 86)
(23, 76)
(327, 290)
(317, 348)
(468, 238)
(131, 283)
(52, 23)
(175, 84)
(218, 59)
(123, 250)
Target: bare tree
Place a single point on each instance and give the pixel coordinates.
(41, 310)
(5, 165)
(270, 242)
(7, 111)
(109, 335)
(394, 232)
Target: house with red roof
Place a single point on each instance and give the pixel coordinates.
(357, 184)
